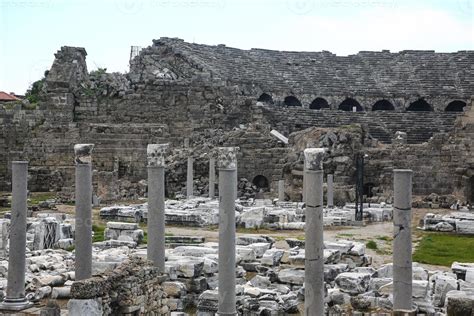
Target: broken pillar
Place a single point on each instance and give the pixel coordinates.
(227, 165)
(15, 299)
(156, 204)
(330, 194)
(314, 261)
(281, 190)
(190, 178)
(83, 236)
(402, 244)
(212, 177)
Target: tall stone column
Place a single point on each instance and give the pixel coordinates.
(402, 260)
(156, 204)
(281, 190)
(314, 261)
(330, 196)
(83, 235)
(212, 177)
(15, 299)
(190, 178)
(227, 165)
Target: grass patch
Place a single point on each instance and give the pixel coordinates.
(98, 232)
(384, 238)
(38, 197)
(371, 245)
(443, 249)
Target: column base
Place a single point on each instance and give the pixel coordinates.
(17, 304)
(226, 314)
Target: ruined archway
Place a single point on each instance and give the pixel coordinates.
(265, 98)
(419, 106)
(383, 105)
(318, 104)
(292, 101)
(261, 182)
(456, 106)
(348, 104)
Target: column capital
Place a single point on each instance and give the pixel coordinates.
(313, 158)
(83, 153)
(155, 154)
(227, 157)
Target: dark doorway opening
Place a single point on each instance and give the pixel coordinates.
(456, 106)
(265, 98)
(368, 189)
(292, 101)
(383, 105)
(318, 104)
(261, 182)
(420, 105)
(348, 104)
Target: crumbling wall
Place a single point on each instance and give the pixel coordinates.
(177, 91)
(134, 287)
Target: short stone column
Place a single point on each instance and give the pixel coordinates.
(190, 178)
(212, 177)
(281, 190)
(227, 165)
(402, 247)
(15, 299)
(314, 255)
(156, 204)
(330, 188)
(83, 236)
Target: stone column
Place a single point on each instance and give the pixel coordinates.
(190, 178)
(83, 235)
(212, 177)
(314, 261)
(227, 165)
(330, 195)
(156, 204)
(15, 299)
(402, 261)
(281, 190)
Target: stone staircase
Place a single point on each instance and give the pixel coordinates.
(382, 125)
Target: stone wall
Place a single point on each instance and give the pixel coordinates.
(177, 92)
(133, 288)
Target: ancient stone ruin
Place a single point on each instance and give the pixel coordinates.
(224, 144)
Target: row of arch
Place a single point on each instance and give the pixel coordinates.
(349, 103)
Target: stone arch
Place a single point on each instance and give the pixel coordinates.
(261, 182)
(420, 105)
(318, 104)
(456, 106)
(383, 105)
(348, 104)
(265, 98)
(292, 101)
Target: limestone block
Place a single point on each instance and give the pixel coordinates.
(272, 257)
(291, 276)
(174, 289)
(90, 307)
(353, 283)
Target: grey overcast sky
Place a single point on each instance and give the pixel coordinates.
(31, 31)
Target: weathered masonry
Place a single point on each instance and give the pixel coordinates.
(213, 96)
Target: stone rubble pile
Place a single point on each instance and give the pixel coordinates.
(270, 280)
(459, 222)
(250, 213)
